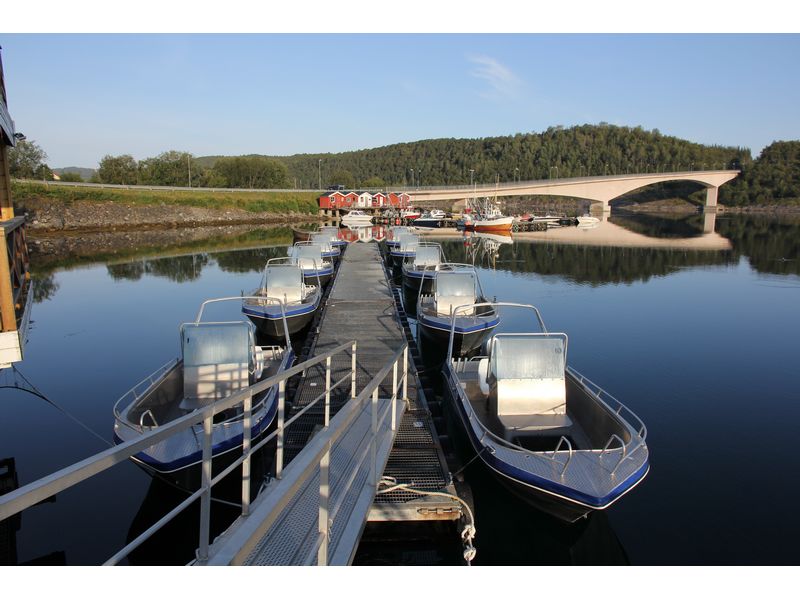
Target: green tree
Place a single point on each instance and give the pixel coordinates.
(171, 168)
(26, 159)
(120, 169)
(343, 177)
(373, 182)
(74, 177)
(252, 172)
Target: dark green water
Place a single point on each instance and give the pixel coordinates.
(703, 345)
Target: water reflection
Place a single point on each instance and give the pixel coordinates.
(176, 268)
(664, 225)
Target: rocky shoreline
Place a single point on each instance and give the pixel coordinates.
(48, 216)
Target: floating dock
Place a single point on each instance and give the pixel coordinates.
(361, 306)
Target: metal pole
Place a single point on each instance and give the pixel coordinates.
(353, 372)
(319, 172)
(394, 396)
(205, 498)
(327, 390)
(405, 373)
(247, 424)
(373, 468)
(279, 446)
(324, 504)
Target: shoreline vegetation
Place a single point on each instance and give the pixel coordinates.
(53, 209)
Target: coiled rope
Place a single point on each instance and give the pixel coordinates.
(467, 534)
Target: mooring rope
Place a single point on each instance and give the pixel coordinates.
(469, 531)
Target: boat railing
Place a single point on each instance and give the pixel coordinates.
(622, 411)
(141, 388)
(26, 496)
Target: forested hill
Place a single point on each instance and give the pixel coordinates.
(563, 152)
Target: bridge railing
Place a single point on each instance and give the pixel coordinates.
(15, 502)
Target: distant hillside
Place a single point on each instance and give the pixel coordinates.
(557, 152)
(85, 173)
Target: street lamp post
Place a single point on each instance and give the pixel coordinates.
(412, 177)
(516, 174)
(471, 173)
(319, 173)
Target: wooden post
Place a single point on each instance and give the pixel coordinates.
(8, 313)
(6, 206)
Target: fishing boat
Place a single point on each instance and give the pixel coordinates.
(357, 217)
(217, 360)
(486, 217)
(406, 248)
(542, 428)
(308, 256)
(282, 300)
(432, 219)
(410, 214)
(426, 258)
(452, 285)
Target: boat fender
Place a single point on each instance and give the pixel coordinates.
(483, 375)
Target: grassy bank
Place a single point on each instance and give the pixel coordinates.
(256, 202)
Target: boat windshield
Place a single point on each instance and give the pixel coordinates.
(455, 284)
(408, 243)
(323, 240)
(427, 256)
(307, 256)
(215, 343)
(529, 356)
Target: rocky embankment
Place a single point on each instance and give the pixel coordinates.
(47, 216)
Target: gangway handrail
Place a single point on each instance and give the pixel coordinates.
(304, 467)
(28, 495)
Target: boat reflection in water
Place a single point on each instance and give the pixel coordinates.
(513, 533)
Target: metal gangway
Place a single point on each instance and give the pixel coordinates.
(334, 478)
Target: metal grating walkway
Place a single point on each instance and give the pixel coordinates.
(282, 528)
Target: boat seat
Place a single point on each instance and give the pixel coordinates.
(528, 384)
(445, 305)
(216, 361)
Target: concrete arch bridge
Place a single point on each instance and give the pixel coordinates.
(602, 189)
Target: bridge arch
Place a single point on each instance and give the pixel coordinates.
(597, 189)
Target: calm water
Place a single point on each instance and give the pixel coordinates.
(703, 345)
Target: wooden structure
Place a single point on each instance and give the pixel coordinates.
(14, 266)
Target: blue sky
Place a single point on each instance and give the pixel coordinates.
(83, 96)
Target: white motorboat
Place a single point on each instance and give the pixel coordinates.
(357, 217)
(217, 360)
(541, 427)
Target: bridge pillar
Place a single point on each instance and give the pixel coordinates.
(709, 221)
(711, 198)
